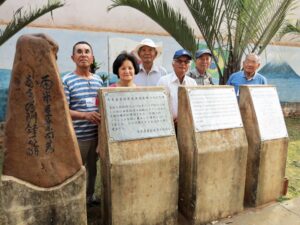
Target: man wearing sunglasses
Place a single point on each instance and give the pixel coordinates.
(181, 62)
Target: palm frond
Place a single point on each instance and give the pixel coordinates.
(289, 28)
(208, 16)
(169, 19)
(22, 18)
(271, 24)
(2, 1)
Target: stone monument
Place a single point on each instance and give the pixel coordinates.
(139, 157)
(43, 179)
(213, 153)
(268, 143)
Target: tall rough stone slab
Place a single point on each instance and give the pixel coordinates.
(43, 180)
(27, 204)
(213, 153)
(268, 143)
(41, 146)
(139, 174)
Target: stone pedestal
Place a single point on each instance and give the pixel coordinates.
(268, 143)
(139, 157)
(213, 152)
(24, 203)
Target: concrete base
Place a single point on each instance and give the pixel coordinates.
(25, 204)
(266, 159)
(212, 168)
(140, 183)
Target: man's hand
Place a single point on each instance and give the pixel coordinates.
(93, 117)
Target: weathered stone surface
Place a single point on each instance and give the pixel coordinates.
(140, 177)
(26, 204)
(266, 159)
(212, 166)
(41, 146)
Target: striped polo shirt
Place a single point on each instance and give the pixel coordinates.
(82, 96)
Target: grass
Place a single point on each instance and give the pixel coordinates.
(293, 160)
(292, 169)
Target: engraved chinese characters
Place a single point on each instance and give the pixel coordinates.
(40, 141)
(268, 112)
(137, 115)
(215, 109)
(31, 115)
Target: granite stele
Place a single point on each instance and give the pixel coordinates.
(213, 153)
(268, 143)
(139, 157)
(43, 180)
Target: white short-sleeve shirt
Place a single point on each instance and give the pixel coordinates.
(171, 82)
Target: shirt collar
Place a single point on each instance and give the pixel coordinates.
(251, 77)
(154, 68)
(175, 79)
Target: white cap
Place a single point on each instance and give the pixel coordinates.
(150, 43)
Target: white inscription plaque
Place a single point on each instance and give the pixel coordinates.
(268, 112)
(138, 115)
(215, 109)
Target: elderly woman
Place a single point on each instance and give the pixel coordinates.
(125, 67)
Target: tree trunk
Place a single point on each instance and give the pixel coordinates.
(232, 67)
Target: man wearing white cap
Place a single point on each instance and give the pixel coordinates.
(203, 61)
(149, 73)
(181, 62)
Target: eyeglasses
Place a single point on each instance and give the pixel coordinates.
(179, 61)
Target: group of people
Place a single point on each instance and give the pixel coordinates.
(81, 88)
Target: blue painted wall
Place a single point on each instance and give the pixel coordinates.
(281, 75)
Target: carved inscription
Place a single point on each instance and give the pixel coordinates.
(137, 115)
(31, 128)
(31, 119)
(268, 113)
(46, 85)
(214, 109)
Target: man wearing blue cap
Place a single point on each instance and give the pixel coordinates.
(203, 61)
(181, 61)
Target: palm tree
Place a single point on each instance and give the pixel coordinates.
(230, 28)
(290, 28)
(22, 18)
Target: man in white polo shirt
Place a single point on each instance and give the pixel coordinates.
(181, 62)
(147, 51)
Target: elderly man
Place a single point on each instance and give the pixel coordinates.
(81, 92)
(203, 61)
(149, 73)
(248, 75)
(181, 61)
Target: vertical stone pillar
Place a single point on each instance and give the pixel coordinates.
(213, 150)
(139, 157)
(268, 143)
(42, 158)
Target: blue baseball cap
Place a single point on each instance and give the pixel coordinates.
(199, 53)
(182, 52)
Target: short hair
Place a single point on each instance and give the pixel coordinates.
(119, 61)
(79, 43)
(254, 55)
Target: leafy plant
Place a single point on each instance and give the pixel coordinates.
(95, 66)
(22, 18)
(230, 28)
(291, 28)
